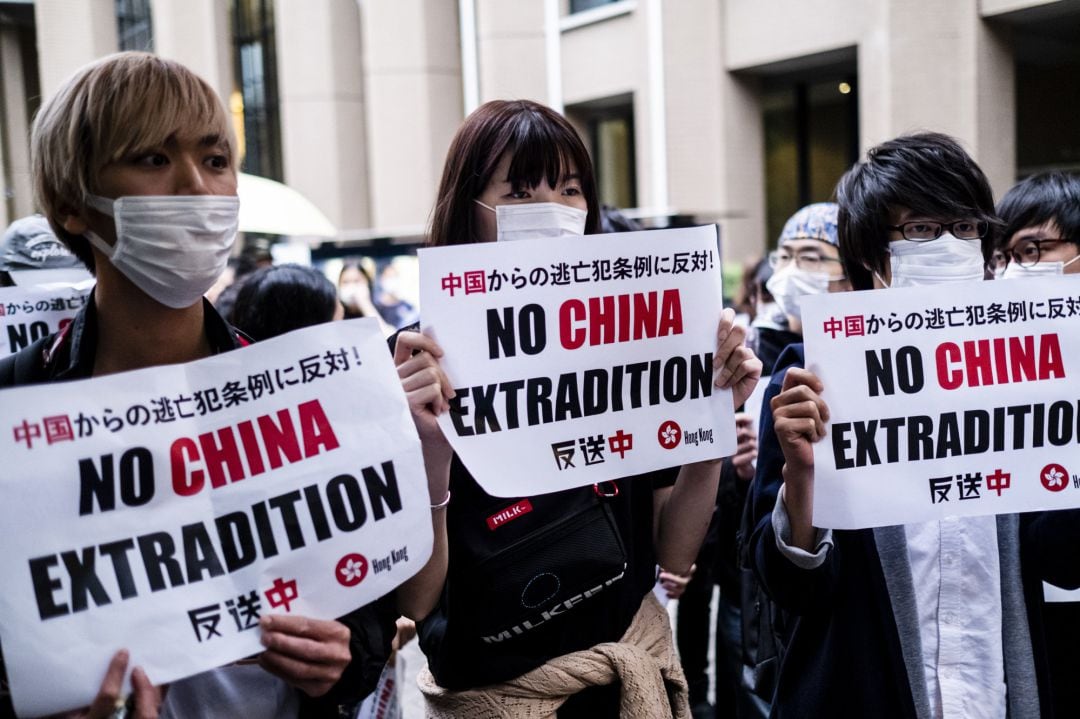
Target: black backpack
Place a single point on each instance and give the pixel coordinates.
(518, 568)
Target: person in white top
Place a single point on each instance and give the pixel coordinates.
(923, 620)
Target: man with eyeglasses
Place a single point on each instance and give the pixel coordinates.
(1041, 237)
(873, 633)
(806, 261)
(1042, 228)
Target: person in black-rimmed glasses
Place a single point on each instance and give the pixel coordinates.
(1042, 238)
(1042, 228)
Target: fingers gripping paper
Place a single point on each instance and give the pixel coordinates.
(165, 510)
(593, 366)
(946, 401)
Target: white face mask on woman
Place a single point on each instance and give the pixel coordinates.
(172, 247)
(789, 285)
(529, 220)
(944, 260)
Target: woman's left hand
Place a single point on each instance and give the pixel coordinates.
(310, 654)
(735, 366)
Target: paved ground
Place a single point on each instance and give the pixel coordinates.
(414, 659)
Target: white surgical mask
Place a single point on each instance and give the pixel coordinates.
(1014, 271)
(944, 260)
(172, 247)
(789, 285)
(529, 220)
(770, 316)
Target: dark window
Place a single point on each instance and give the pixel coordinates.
(255, 62)
(1048, 94)
(811, 138)
(609, 130)
(581, 5)
(134, 27)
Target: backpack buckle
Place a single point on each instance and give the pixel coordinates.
(606, 490)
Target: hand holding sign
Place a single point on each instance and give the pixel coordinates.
(737, 367)
(428, 392)
(799, 416)
(309, 654)
(147, 698)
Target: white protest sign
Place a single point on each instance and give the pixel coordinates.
(579, 359)
(30, 313)
(946, 400)
(165, 510)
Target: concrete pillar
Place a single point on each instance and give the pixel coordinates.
(929, 65)
(196, 33)
(321, 95)
(412, 81)
(505, 30)
(70, 34)
(715, 140)
(16, 197)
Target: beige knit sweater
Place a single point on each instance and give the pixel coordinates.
(653, 684)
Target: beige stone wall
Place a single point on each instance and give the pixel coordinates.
(16, 193)
(412, 81)
(70, 34)
(714, 135)
(196, 33)
(371, 90)
(511, 55)
(321, 94)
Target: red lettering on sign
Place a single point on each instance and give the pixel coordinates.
(1001, 360)
(620, 318)
(217, 453)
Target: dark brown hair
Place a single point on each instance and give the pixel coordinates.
(542, 146)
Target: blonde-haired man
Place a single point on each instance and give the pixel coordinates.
(135, 167)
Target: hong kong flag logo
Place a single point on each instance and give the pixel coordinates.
(669, 435)
(351, 570)
(1054, 477)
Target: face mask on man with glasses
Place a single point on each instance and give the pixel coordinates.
(806, 260)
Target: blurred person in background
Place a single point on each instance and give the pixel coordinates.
(282, 298)
(31, 254)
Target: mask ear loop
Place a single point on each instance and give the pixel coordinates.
(1063, 266)
(881, 279)
(485, 206)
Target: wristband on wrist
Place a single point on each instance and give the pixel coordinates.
(442, 504)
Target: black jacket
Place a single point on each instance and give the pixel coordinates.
(844, 656)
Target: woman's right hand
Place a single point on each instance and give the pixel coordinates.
(428, 390)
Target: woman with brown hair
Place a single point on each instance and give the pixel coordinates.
(594, 642)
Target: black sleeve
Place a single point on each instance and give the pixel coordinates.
(663, 477)
(25, 366)
(372, 629)
(793, 589)
(1050, 543)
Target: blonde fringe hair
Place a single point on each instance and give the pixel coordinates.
(115, 108)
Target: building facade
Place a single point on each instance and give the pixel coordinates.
(728, 111)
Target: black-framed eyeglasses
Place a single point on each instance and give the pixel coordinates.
(923, 231)
(1028, 252)
(809, 261)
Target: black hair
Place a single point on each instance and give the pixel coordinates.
(928, 173)
(279, 299)
(1039, 199)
